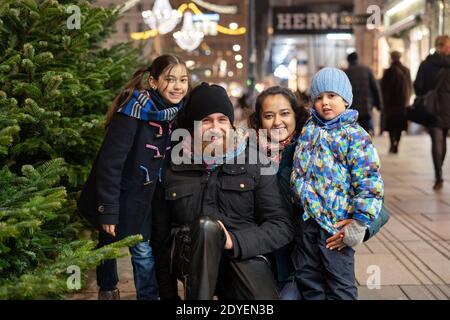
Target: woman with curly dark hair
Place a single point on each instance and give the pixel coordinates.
(281, 115)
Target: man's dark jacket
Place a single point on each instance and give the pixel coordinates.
(249, 204)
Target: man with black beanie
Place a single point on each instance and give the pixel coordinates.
(215, 220)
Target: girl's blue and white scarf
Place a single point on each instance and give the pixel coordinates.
(148, 105)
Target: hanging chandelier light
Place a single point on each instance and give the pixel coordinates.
(188, 38)
(162, 17)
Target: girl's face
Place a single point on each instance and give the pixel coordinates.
(277, 117)
(329, 105)
(172, 84)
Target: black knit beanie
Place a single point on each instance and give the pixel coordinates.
(207, 99)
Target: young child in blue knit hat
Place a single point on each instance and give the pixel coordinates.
(336, 177)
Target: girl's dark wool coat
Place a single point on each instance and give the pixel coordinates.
(124, 175)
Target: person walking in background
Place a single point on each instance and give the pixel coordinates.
(434, 73)
(396, 87)
(366, 92)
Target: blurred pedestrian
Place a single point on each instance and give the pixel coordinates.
(242, 111)
(396, 87)
(434, 74)
(366, 92)
(303, 99)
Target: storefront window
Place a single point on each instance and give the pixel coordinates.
(441, 24)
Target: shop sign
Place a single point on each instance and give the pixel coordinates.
(306, 20)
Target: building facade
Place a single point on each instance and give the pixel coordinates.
(410, 27)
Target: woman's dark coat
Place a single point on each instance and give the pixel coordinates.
(396, 87)
(435, 67)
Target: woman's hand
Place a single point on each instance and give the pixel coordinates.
(110, 229)
(229, 242)
(336, 241)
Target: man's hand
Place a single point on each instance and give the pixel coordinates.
(229, 242)
(110, 228)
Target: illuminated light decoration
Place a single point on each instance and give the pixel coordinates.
(205, 48)
(238, 57)
(143, 35)
(230, 73)
(162, 17)
(235, 90)
(188, 38)
(206, 17)
(190, 64)
(236, 48)
(152, 33)
(222, 68)
(233, 26)
(239, 65)
(126, 6)
(220, 28)
(217, 8)
(259, 87)
(230, 32)
(206, 23)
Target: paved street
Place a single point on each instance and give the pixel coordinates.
(411, 253)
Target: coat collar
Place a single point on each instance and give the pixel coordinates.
(349, 116)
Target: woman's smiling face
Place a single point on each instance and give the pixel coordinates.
(277, 117)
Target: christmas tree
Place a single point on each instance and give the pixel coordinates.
(56, 82)
(39, 244)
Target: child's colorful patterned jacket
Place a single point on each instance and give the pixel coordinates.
(336, 171)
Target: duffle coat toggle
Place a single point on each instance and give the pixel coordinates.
(158, 154)
(160, 129)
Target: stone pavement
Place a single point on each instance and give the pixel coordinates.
(410, 257)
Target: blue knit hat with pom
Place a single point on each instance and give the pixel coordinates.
(332, 80)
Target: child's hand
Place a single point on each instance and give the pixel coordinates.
(341, 224)
(336, 241)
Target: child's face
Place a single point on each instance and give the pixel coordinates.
(329, 105)
(277, 117)
(172, 84)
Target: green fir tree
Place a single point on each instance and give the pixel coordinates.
(56, 83)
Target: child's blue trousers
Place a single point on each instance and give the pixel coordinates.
(322, 274)
(143, 264)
